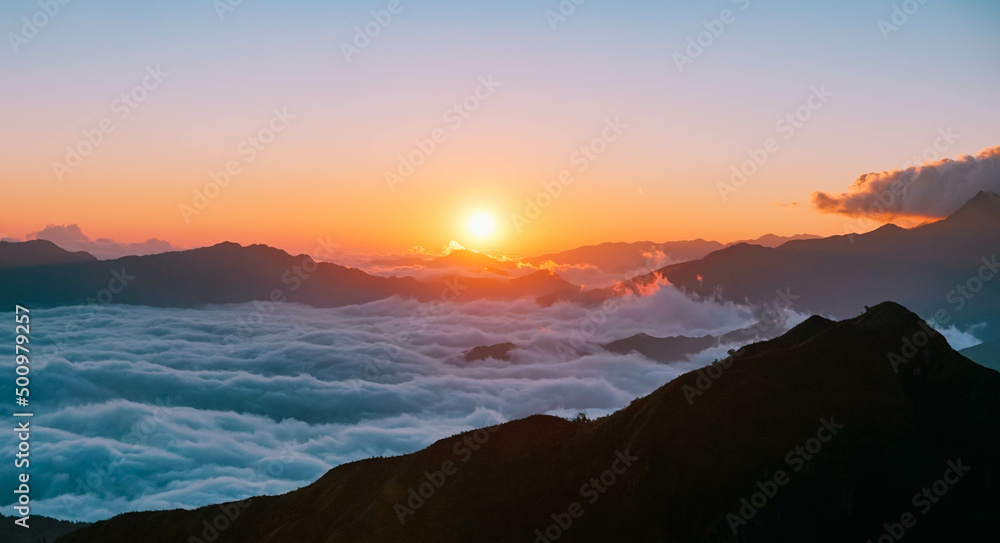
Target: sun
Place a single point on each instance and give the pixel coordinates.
(481, 224)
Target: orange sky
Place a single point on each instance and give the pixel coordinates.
(546, 93)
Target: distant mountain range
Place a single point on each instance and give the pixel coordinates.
(622, 257)
(678, 348)
(39, 275)
(947, 268)
(628, 257)
(944, 268)
(816, 435)
(38, 252)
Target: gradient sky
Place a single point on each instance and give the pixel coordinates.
(323, 176)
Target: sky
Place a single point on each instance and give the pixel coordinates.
(457, 108)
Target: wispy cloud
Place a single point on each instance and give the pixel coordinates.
(72, 238)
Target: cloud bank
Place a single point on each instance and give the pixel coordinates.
(141, 408)
(933, 190)
(72, 238)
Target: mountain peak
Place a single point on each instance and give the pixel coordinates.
(38, 252)
(988, 195)
(983, 204)
(886, 313)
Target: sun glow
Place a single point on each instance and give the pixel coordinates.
(481, 224)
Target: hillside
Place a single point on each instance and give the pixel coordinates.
(946, 267)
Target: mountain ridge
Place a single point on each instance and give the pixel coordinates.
(38, 252)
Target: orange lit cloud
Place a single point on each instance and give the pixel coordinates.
(72, 238)
(932, 190)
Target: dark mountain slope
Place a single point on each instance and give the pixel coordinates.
(223, 273)
(686, 456)
(40, 529)
(230, 273)
(985, 354)
(925, 268)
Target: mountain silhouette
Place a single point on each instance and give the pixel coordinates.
(230, 273)
(223, 273)
(662, 349)
(500, 351)
(771, 240)
(933, 269)
(820, 434)
(678, 348)
(38, 252)
(620, 257)
(40, 529)
(985, 354)
(471, 261)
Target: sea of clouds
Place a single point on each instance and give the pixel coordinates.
(139, 408)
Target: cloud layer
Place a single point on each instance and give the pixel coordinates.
(72, 238)
(140, 408)
(933, 190)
